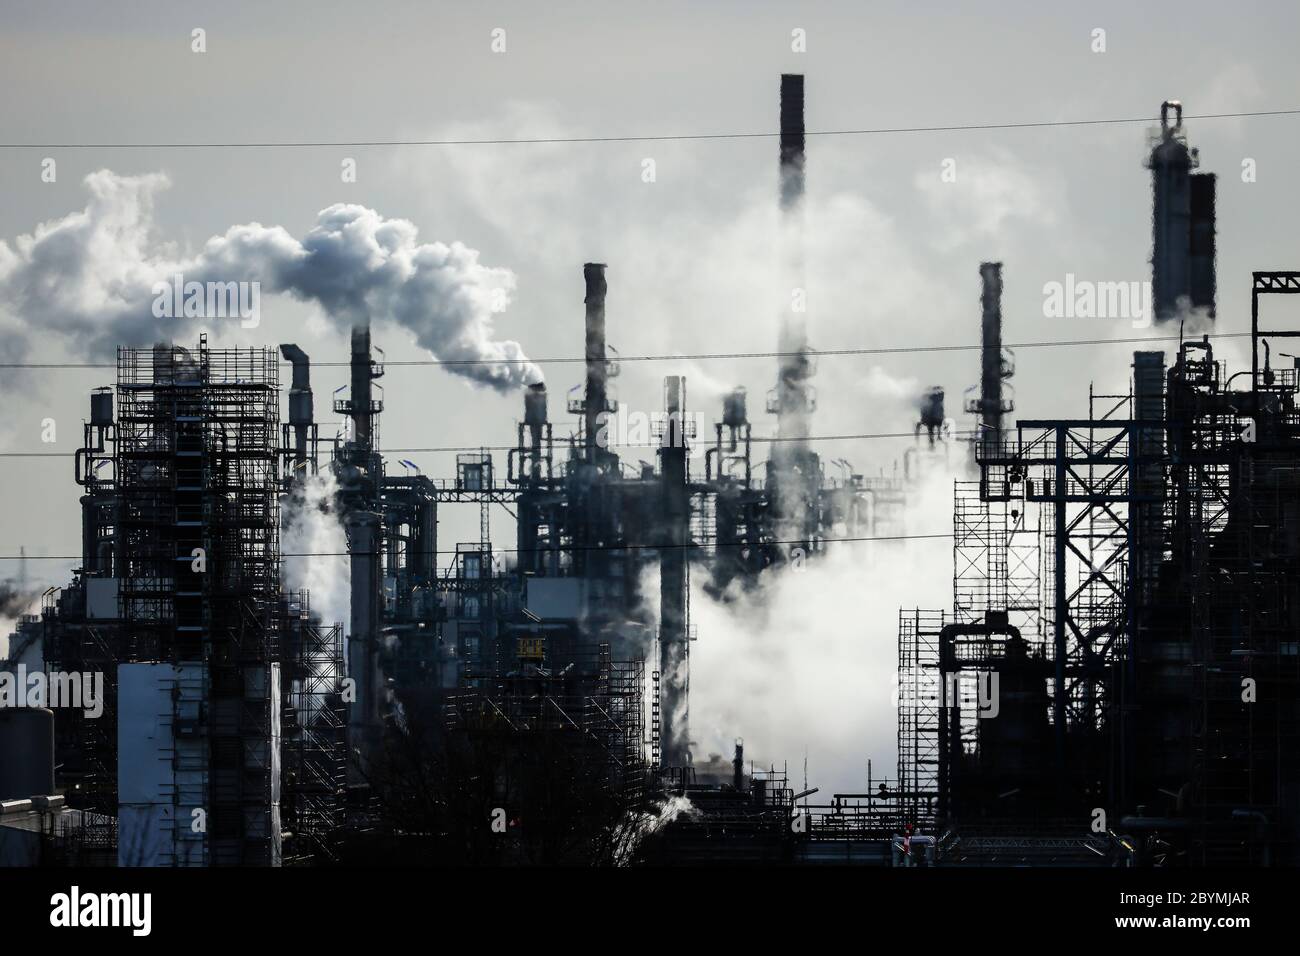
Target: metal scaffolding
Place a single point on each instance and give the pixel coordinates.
(314, 731)
(592, 708)
(918, 713)
(184, 540)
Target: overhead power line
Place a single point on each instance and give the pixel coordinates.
(635, 138)
(705, 356)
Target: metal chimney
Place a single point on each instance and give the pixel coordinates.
(596, 399)
(673, 626)
(300, 404)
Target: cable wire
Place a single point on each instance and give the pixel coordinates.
(705, 356)
(662, 138)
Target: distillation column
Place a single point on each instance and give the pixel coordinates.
(360, 474)
(991, 406)
(1182, 223)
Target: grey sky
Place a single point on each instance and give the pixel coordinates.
(1046, 201)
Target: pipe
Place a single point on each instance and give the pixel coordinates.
(991, 404)
(362, 376)
(792, 141)
(674, 632)
(795, 363)
(597, 402)
(300, 404)
(535, 420)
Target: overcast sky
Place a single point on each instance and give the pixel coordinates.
(893, 249)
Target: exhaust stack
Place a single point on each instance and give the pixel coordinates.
(597, 395)
(300, 405)
(674, 646)
(995, 367)
(794, 397)
(1182, 223)
(794, 473)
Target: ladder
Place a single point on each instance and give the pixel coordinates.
(654, 721)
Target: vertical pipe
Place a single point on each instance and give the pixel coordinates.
(792, 141)
(991, 356)
(1171, 163)
(795, 369)
(794, 476)
(361, 379)
(363, 667)
(1146, 542)
(364, 526)
(594, 530)
(597, 401)
(1201, 243)
(1060, 600)
(535, 421)
(673, 629)
(300, 405)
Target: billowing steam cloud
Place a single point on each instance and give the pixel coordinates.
(16, 599)
(803, 667)
(91, 278)
(315, 548)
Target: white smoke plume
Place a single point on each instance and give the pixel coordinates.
(90, 277)
(647, 823)
(16, 599)
(805, 665)
(311, 527)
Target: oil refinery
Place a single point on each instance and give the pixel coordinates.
(1114, 682)
(881, 453)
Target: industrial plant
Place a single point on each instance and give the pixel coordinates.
(1115, 681)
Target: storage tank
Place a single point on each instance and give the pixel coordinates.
(26, 752)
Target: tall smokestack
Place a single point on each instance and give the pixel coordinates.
(535, 422)
(673, 631)
(992, 371)
(792, 141)
(794, 399)
(362, 376)
(795, 473)
(597, 400)
(360, 469)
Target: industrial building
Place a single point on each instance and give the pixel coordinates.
(1114, 683)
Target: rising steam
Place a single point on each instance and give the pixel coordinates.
(16, 599)
(90, 277)
(315, 548)
(804, 664)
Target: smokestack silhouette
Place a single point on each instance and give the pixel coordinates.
(794, 475)
(597, 400)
